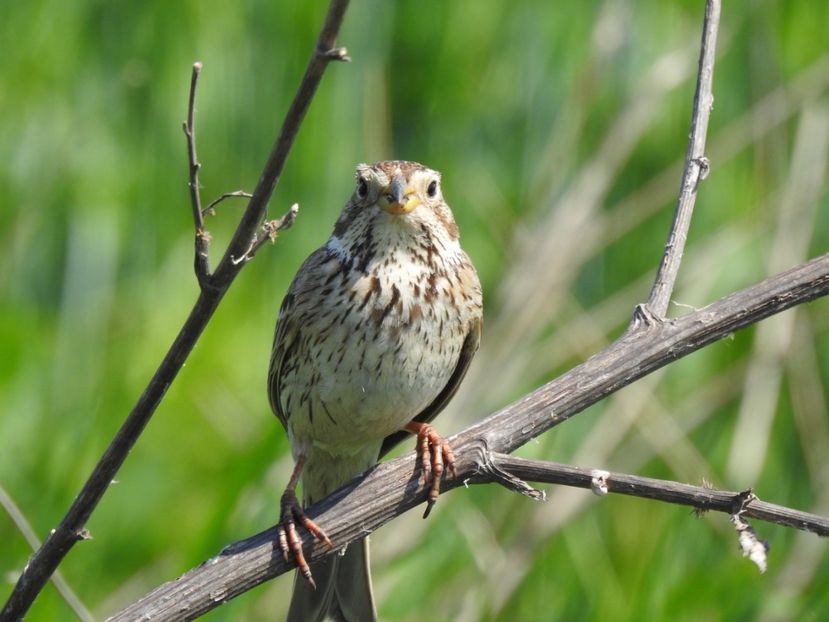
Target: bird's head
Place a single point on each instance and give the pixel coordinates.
(396, 195)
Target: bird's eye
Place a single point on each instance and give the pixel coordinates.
(362, 188)
(432, 190)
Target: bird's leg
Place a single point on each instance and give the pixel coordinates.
(435, 452)
(291, 512)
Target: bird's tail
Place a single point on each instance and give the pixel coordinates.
(343, 591)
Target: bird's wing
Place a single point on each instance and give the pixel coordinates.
(470, 346)
(293, 314)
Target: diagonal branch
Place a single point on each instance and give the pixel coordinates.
(696, 169)
(392, 488)
(71, 529)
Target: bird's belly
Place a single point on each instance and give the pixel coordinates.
(374, 369)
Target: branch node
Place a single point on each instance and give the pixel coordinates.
(336, 54)
(644, 318)
(704, 167)
(700, 510)
(270, 231)
(204, 236)
(741, 500)
(83, 534)
(598, 482)
(490, 465)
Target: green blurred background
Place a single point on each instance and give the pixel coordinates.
(560, 129)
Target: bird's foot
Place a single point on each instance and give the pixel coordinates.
(289, 539)
(435, 456)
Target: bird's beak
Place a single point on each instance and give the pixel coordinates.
(398, 198)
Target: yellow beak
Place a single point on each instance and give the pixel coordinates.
(398, 197)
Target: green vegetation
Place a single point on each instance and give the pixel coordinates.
(559, 129)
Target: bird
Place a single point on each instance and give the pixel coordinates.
(372, 340)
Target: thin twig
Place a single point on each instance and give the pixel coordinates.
(71, 528)
(202, 239)
(25, 528)
(225, 196)
(391, 488)
(700, 497)
(696, 169)
(270, 230)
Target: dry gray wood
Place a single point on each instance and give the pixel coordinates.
(393, 487)
(696, 168)
(702, 498)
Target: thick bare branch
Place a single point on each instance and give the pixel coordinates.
(71, 529)
(696, 168)
(391, 488)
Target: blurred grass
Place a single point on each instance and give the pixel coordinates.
(560, 129)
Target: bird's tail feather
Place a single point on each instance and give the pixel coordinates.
(343, 590)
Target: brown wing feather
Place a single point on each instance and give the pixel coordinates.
(470, 346)
(278, 355)
(288, 326)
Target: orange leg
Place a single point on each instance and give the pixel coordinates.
(435, 452)
(291, 512)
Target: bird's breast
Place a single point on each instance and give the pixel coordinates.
(378, 348)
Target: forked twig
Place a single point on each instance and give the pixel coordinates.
(269, 231)
(224, 197)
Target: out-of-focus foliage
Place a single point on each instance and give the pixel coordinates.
(559, 128)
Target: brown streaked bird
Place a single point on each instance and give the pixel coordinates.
(372, 340)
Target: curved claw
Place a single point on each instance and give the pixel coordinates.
(435, 455)
(290, 542)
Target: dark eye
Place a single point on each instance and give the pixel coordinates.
(362, 188)
(432, 190)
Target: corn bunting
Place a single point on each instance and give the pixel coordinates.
(372, 340)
